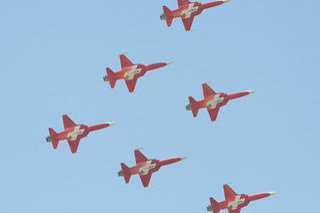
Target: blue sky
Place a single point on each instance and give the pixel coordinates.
(52, 60)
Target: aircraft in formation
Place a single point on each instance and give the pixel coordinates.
(187, 11)
(73, 133)
(130, 72)
(233, 201)
(213, 101)
(144, 167)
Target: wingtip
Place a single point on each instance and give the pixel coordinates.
(228, 183)
(138, 149)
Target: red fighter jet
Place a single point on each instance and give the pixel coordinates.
(233, 201)
(73, 133)
(187, 11)
(213, 101)
(145, 167)
(130, 72)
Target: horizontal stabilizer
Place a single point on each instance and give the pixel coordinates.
(126, 172)
(168, 14)
(55, 138)
(214, 205)
(194, 106)
(112, 77)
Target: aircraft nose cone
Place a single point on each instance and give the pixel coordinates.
(183, 158)
(226, 1)
(250, 91)
(112, 123)
(271, 193)
(169, 62)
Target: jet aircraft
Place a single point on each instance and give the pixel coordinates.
(233, 201)
(130, 72)
(187, 11)
(73, 133)
(213, 101)
(144, 167)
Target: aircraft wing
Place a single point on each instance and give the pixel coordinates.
(235, 211)
(213, 113)
(131, 84)
(125, 62)
(228, 192)
(183, 2)
(145, 179)
(187, 22)
(139, 156)
(67, 122)
(74, 145)
(207, 91)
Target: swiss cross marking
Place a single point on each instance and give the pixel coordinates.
(129, 75)
(237, 201)
(75, 133)
(187, 12)
(216, 100)
(145, 169)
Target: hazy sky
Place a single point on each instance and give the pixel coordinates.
(52, 60)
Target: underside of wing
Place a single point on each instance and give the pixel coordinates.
(145, 179)
(139, 156)
(187, 22)
(131, 84)
(74, 145)
(235, 211)
(183, 2)
(228, 192)
(67, 122)
(125, 62)
(207, 91)
(213, 113)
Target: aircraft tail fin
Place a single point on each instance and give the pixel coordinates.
(194, 106)
(55, 138)
(168, 15)
(111, 77)
(214, 205)
(126, 171)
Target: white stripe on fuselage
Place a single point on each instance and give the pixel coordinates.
(75, 133)
(129, 75)
(145, 169)
(213, 103)
(187, 12)
(237, 201)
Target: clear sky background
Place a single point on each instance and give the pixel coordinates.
(53, 55)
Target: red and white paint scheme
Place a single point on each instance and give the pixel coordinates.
(233, 201)
(187, 11)
(144, 167)
(130, 72)
(73, 133)
(213, 101)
